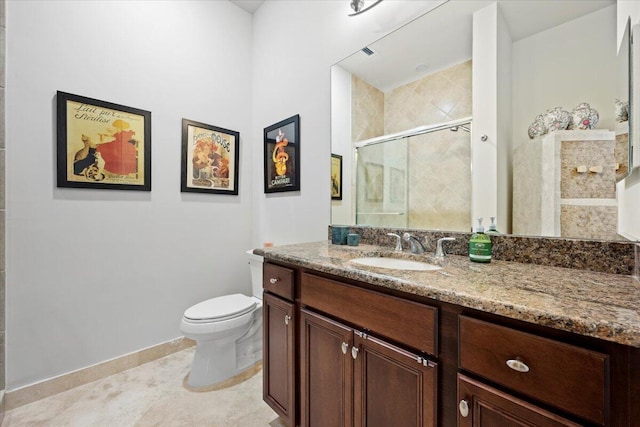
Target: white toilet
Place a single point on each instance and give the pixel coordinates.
(227, 331)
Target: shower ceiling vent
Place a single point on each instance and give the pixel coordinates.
(368, 51)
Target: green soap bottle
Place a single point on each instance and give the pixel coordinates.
(480, 245)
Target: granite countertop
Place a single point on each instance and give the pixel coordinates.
(601, 305)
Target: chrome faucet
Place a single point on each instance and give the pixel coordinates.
(398, 242)
(440, 253)
(414, 244)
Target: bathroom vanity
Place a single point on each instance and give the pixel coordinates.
(470, 345)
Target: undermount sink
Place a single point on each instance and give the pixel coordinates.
(395, 263)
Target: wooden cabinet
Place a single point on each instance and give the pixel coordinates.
(279, 344)
(408, 323)
(392, 387)
(349, 378)
(338, 352)
(326, 381)
(563, 376)
(483, 406)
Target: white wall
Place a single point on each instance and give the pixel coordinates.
(342, 211)
(557, 64)
(629, 189)
(504, 120)
(93, 275)
(484, 172)
(295, 44)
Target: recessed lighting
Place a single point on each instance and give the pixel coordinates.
(421, 68)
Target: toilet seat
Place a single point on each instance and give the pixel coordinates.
(221, 308)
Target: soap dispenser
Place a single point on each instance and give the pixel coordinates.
(480, 245)
(492, 227)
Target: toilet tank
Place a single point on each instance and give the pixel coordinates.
(255, 263)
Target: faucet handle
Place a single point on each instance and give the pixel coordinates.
(398, 242)
(440, 253)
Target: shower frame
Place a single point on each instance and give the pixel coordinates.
(458, 123)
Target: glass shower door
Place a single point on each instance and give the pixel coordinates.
(381, 184)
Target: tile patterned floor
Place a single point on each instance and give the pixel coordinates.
(154, 394)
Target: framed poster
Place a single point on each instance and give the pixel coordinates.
(282, 156)
(210, 159)
(102, 145)
(336, 177)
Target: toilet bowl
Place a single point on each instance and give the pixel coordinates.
(227, 331)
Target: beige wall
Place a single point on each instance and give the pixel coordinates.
(436, 98)
(367, 110)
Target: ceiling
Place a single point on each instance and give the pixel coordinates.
(248, 5)
(442, 37)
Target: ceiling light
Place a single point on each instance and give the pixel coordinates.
(359, 7)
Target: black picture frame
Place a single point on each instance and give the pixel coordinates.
(336, 177)
(102, 145)
(282, 156)
(210, 159)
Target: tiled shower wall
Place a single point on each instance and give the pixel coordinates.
(367, 110)
(3, 268)
(439, 190)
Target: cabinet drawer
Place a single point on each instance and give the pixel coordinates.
(410, 323)
(567, 377)
(278, 280)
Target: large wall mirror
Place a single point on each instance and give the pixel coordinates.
(402, 120)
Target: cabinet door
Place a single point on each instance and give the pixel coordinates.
(392, 387)
(326, 380)
(484, 406)
(279, 356)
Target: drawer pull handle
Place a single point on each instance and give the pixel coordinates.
(354, 352)
(517, 365)
(345, 347)
(286, 319)
(464, 408)
(273, 281)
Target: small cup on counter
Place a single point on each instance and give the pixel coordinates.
(339, 234)
(353, 239)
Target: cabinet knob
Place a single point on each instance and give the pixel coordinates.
(464, 408)
(518, 365)
(273, 280)
(286, 319)
(354, 352)
(345, 348)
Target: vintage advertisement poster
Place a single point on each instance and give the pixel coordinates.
(282, 156)
(102, 145)
(336, 177)
(211, 162)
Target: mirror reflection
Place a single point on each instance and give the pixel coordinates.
(397, 108)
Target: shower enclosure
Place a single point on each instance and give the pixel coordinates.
(416, 179)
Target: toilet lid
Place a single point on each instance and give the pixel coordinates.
(221, 307)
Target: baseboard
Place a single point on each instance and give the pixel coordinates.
(31, 393)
